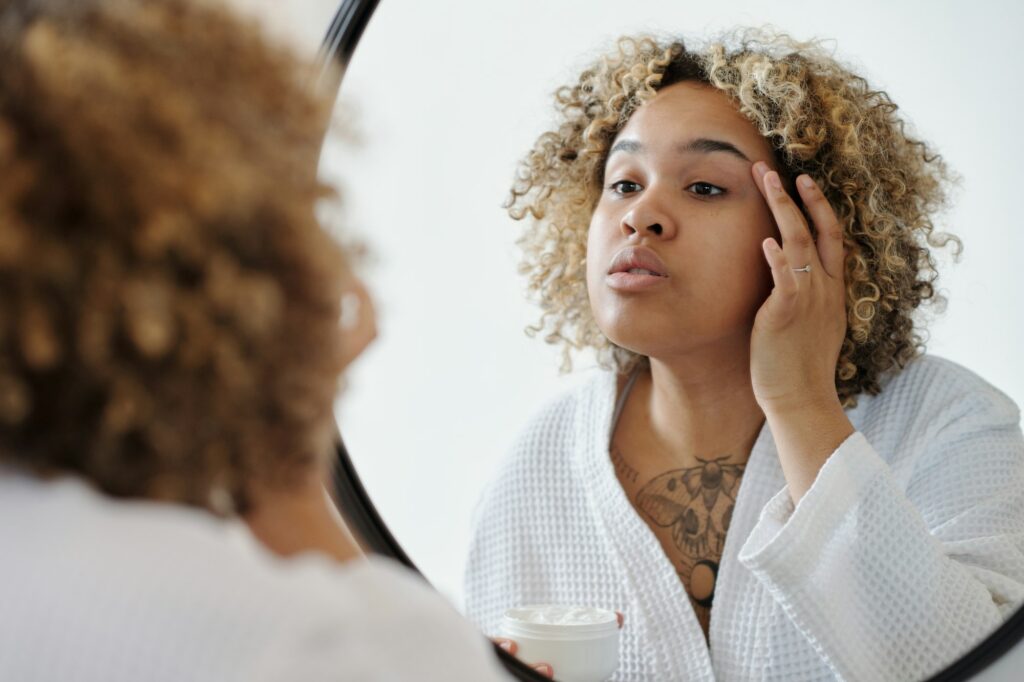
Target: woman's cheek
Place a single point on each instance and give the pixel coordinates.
(594, 258)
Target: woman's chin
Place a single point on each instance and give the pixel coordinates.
(662, 342)
(641, 344)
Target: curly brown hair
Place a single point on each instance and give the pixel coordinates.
(168, 300)
(820, 118)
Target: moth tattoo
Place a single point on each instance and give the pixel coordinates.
(697, 504)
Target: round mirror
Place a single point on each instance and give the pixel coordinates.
(445, 99)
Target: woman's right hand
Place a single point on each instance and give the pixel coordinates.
(511, 647)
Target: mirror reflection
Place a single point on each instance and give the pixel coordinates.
(778, 453)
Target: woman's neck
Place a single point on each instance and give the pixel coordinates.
(702, 404)
(300, 519)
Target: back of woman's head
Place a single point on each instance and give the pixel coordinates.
(168, 301)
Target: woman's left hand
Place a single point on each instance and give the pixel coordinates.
(799, 330)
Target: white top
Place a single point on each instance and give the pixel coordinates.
(906, 551)
(98, 590)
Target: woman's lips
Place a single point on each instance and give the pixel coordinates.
(636, 268)
(634, 281)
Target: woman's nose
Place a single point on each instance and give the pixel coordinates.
(648, 217)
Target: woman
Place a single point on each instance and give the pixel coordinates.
(169, 355)
(773, 482)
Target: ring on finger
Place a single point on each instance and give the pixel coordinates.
(806, 268)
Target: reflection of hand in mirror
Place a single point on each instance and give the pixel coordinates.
(769, 441)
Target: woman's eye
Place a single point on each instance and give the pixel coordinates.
(705, 189)
(624, 187)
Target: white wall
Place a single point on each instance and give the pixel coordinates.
(450, 93)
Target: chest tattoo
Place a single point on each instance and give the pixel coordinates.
(622, 468)
(696, 505)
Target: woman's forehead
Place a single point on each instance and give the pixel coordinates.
(691, 117)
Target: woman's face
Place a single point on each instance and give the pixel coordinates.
(674, 258)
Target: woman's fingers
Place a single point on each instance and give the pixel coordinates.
(796, 236)
(797, 242)
(830, 232)
(783, 298)
(511, 647)
(506, 644)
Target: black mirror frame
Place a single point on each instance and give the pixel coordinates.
(355, 505)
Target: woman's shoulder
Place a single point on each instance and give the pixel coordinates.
(220, 604)
(366, 607)
(937, 415)
(932, 385)
(148, 554)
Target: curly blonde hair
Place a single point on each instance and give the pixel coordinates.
(818, 116)
(168, 300)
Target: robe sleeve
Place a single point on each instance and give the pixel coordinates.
(894, 576)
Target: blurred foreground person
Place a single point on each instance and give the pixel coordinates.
(170, 350)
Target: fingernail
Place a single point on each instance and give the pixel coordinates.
(806, 182)
(544, 670)
(773, 180)
(507, 646)
(761, 167)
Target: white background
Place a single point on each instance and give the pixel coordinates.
(448, 95)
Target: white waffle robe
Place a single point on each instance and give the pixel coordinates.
(907, 550)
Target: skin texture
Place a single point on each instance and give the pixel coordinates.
(710, 244)
(734, 336)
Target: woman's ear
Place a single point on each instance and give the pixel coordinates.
(358, 320)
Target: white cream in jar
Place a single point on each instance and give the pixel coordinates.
(580, 643)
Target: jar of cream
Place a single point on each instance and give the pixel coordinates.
(580, 643)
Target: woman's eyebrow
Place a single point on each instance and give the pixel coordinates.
(630, 146)
(707, 145)
(702, 145)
